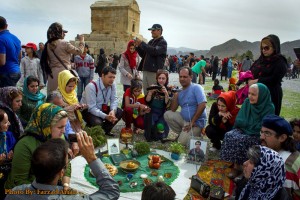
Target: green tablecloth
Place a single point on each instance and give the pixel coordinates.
(166, 167)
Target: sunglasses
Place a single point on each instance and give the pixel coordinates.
(265, 48)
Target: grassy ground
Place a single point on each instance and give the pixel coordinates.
(290, 109)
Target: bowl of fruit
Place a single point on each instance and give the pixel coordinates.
(129, 165)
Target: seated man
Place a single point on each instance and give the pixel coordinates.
(101, 98)
(192, 117)
(49, 161)
(276, 133)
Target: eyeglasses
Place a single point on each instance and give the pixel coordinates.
(265, 48)
(266, 133)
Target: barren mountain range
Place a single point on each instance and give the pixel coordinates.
(234, 46)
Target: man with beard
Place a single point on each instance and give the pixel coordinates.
(276, 133)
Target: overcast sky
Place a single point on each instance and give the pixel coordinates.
(198, 24)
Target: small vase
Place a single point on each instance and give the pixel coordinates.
(175, 156)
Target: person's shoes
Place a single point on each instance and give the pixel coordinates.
(234, 173)
(110, 134)
(213, 149)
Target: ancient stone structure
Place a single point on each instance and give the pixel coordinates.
(114, 23)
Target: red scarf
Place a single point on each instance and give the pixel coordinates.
(131, 56)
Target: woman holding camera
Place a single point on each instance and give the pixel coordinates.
(67, 84)
(128, 65)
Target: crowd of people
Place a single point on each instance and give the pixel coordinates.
(35, 128)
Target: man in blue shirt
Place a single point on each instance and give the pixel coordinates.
(10, 56)
(192, 118)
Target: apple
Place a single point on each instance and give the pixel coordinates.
(156, 165)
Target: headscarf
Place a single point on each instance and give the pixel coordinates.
(70, 98)
(6, 102)
(264, 64)
(266, 178)
(230, 99)
(131, 56)
(39, 124)
(250, 115)
(39, 97)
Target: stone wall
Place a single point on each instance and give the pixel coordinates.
(114, 23)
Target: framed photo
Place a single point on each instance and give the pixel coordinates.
(197, 151)
(113, 146)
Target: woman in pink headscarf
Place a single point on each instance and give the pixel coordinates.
(128, 65)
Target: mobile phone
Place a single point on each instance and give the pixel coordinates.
(297, 52)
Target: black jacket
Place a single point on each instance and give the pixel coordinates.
(153, 54)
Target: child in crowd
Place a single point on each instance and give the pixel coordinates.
(296, 132)
(158, 100)
(135, 107)
(221, 118)
(216, 89)
(232, 84)
(7, 142)
(242, 93)
(30, 65)
(67, 84)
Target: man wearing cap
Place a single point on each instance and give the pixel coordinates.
(276, 133)
(153, 55)
(10, 56)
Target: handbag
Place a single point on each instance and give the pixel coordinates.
(200, 186)
(73, 71)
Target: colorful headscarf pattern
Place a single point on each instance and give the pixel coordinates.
(266, 178)
(6, 101)
(40, 121)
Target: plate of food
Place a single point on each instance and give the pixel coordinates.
(111, 169)
(129, 165)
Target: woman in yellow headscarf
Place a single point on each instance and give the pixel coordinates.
(67, 84)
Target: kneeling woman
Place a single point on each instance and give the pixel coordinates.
(221, 118)
(47, 121)
(246, 132)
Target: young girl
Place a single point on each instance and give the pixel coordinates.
(135, 107)
(7, 142)
(221, 118)
(158, 100)
(67, 83)
(30, 65)
(296, 132)
(31, 98)
(216, 89)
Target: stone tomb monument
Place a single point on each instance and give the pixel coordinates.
(114, 23)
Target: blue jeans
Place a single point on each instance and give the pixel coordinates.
(81, 85)
(9, 79)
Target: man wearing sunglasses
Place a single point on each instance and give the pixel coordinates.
(276, 133)
(153, 55)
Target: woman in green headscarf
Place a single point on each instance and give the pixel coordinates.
(47, 121)
(31, 98)
(247, 127)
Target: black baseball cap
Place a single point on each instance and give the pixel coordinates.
(155, 27)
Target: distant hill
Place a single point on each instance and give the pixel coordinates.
(233, 46)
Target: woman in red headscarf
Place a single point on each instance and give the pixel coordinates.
(221, 117)
(128, 65)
